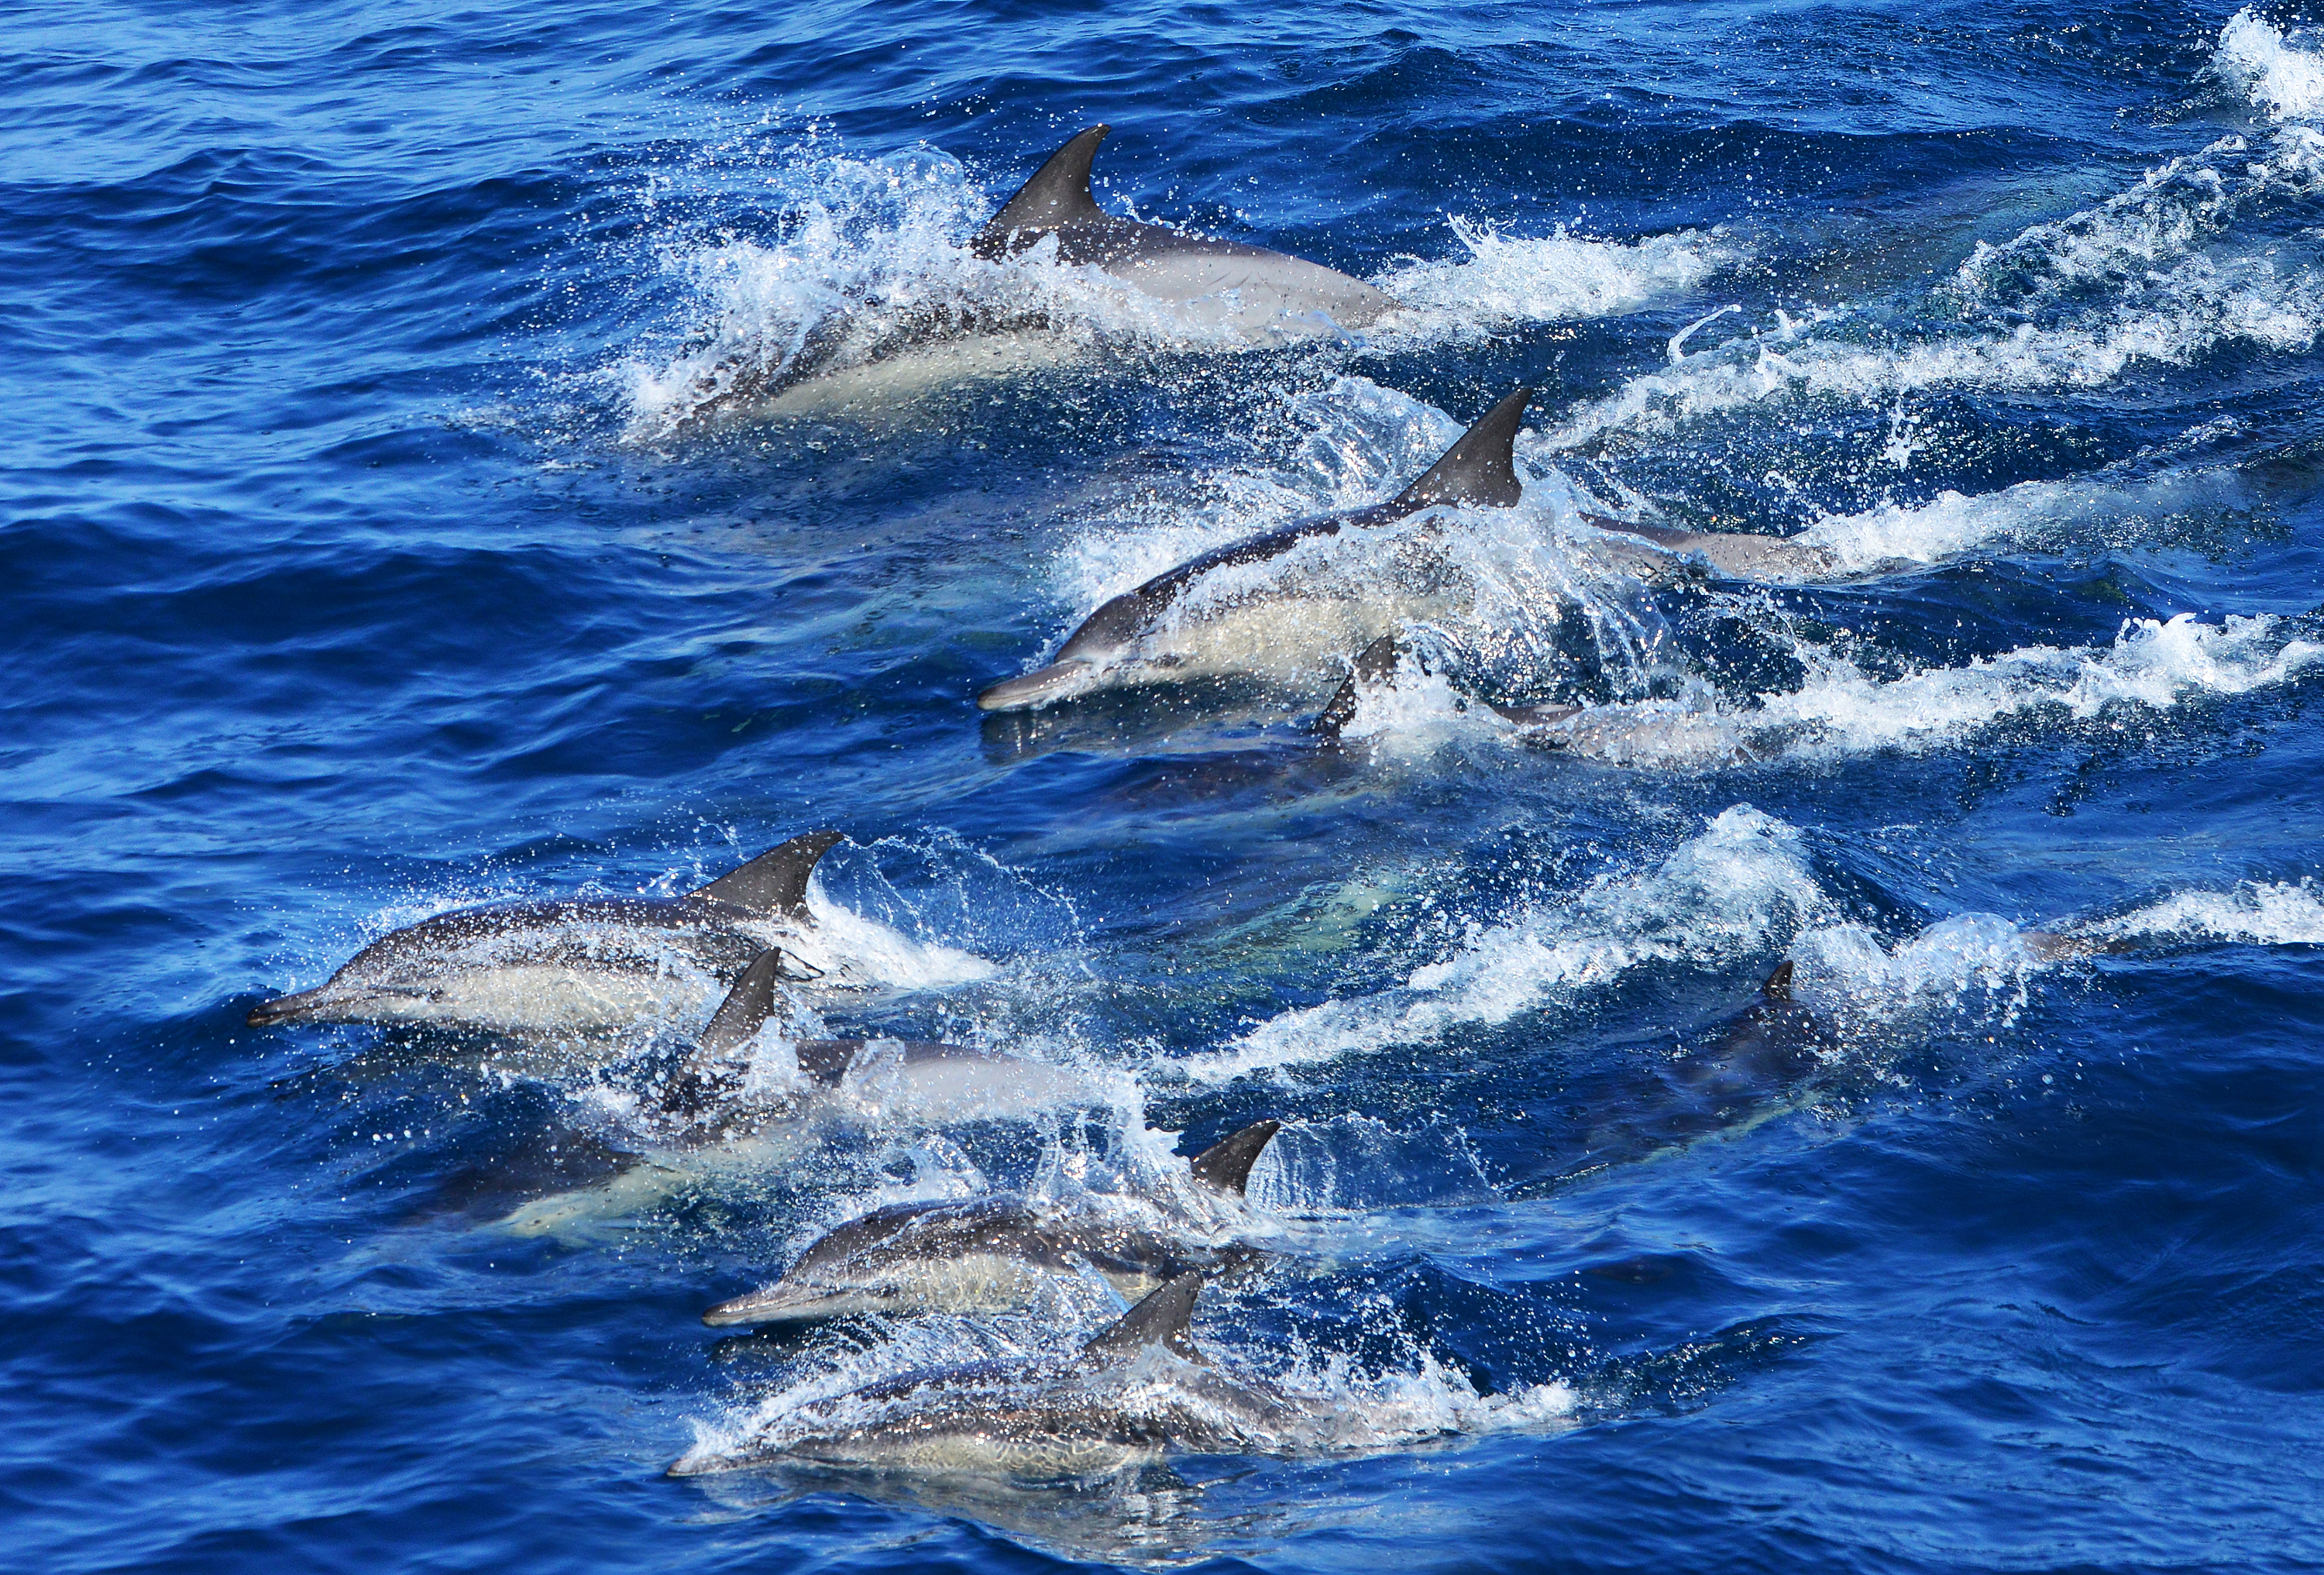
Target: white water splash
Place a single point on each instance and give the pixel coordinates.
(2257, 57)
(1741, 887)
(2270, 914)
(1561, 277)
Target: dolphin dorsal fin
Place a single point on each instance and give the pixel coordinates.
(1482, 467)
(775, 883)
(1779, 983)
(1057, 195)
(1226, 1164)
(747, 1006)
(1162, 1319)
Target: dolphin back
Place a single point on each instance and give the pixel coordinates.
(1057, 195)
(1479, 469)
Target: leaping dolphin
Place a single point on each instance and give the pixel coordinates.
(1149, 635)
(573, 963)
(1246, 287)
(1139, 1387)
(990, 1254)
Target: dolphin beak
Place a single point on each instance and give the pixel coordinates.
(787, 1303)
(307, 1005)
(1058, 681)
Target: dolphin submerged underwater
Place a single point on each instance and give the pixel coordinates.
(990, 1253)
(1153, 634)
(575, 963)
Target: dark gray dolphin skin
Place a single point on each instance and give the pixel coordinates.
(1134, 637)
(569, 964)
(1140, 1387)
(1247, 286)
(988, 1254)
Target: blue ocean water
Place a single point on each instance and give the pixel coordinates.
(386, 529)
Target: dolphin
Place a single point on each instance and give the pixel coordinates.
(1738, 554)
(711, 1097)
(573, 963)
(990, 1253)
(712, 1116)
(1139, 1388)
(1247, 287)
(1149, 635)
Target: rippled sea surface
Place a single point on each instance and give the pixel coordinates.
(384, 526)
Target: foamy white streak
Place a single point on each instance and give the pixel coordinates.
(1557, 278)
(2203, 305)
(1842, 711)
(2275, 914)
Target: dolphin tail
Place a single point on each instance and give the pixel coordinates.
(1225, 1165)
(1057, 195)
(1480, 468)
(1162, 1319)
(775, 883)
(1779, 983)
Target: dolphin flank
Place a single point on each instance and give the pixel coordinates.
(1140, 636)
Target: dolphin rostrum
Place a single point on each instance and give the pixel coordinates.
(1246, 287)
(573, 963)
(988, 1254)
(1137, 1388)
(1148, 635)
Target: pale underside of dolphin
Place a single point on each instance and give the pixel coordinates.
(1140, 1387)
(574, 965)
(1151, 634)
(990, 1254)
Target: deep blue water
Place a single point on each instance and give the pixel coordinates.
(371, 544)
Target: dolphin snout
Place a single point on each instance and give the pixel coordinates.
(1058, 681)
(786, 1304)
(300, 1008)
